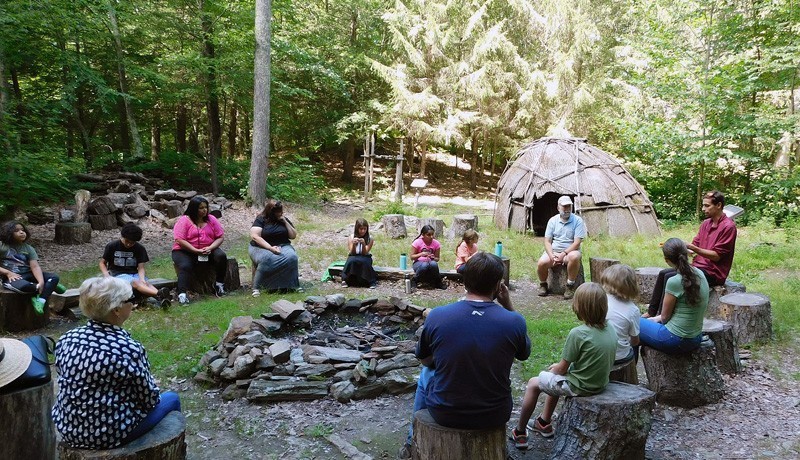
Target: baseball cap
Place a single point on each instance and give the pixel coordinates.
(564, 201)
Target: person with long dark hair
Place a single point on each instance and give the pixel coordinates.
(273, 256)
(679, 327)
(198, 236)
(425, 254)
(358, 269)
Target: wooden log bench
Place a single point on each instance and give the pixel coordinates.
(27, 430)
(204, 277)
(625, 373)
(597, 265)
(750, 314)
(71, 297)
(397, 274)
(717, 292)
(166, 441)
(17, 313)
(557, 278)
(432, 441)
(726, 351)
(612, 424)
(646, 278)
(687, 380)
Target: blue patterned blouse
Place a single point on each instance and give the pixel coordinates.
(104, 386)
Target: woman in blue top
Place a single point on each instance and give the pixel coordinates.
(274, 258)
(679, 327)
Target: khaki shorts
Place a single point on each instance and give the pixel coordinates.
(554, 384)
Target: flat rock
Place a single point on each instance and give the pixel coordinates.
(266, 326)
(280, 351)
(264, 391)
(337, 355)
(287, 310)
(252, 337)
(335, 300)
(369, 390)
(400, 381)
(343, 391)
(397, 362)
(314, 371)
(238, 325)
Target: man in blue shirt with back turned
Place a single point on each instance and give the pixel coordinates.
(467, 349)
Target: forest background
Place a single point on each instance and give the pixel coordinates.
(690, 95)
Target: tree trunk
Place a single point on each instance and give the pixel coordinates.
(138, 150)
(3, 104)
(259, 161)
(155, 134)
(233, 128)
(750, 314)
(473, 164)
(194, 137)
(435, 442)
(423, 157)
(32, 433)
(212, 96)
(685, 380)
(180, 129)
(349, 148)
(395, 226)
(726, 352)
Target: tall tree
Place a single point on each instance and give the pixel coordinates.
(259, 161)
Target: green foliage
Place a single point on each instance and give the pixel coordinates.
(292, 177)
(390, 207)
(33, 178)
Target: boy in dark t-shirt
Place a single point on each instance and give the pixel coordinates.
(125, 258)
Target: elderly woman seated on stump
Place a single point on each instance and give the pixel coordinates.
(106, 394)
(273, 256)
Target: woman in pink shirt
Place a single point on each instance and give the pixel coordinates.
(466, 249)
(425, 256)
(198, 236)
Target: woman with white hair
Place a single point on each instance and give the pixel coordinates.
(107, 396)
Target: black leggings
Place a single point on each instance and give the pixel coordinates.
(185, 263)
(657, 300)
(27, 284)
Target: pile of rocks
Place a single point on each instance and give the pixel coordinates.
(281, 357)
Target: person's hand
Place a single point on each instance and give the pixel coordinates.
(206, 250)
(13, 277)
(646, 315)
(275, 249)
(656, 319)
(504, 297)
(552, 366)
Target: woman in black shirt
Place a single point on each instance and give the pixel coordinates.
(272, 254)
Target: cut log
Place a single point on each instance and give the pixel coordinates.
(687, 380)
(597, 265)
(462, 223)
(166, 441)
(17, 313)
(625, 373)
(557, 278)
(287, 310)
(102, 206)
(435, 442)
(203, 277)
(437, 224)
(73, 233)
(82, 198)
(717, 292)
(612, 424)
(646, 277)
(726, 351)
(395, 225)
(104, 222)
(27, 430)
(750, 314)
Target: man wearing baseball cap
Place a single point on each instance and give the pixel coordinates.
(562, 243)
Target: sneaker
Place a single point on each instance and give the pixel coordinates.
(544, 430)
(344, 284)
(405, 452)
(256, 292)
(60, 288)
(163, 294)
(38, 304)
(219, 289)
(569, 292)
(11, 288)
(183, 299)
(373, 286)
(520, 439)
(442, 285)
(542, 289)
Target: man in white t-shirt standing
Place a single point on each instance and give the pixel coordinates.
(562, 246)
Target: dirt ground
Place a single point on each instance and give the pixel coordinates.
(758, 418)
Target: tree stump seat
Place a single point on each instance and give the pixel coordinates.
(750, 314)
(462, 223)
(646, 278)
(27, 430)
(204, 277)
(395, 226)
(70, 233)
(726, 351)
(437, 224)
(625, 373)
(432, 441)
(717, 292)
(612, 424)
(597, 265)
(557, 278)
(685, 380)
(17, 313)
(166, 441)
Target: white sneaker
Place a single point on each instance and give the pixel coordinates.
(256, 292)
(183, 299)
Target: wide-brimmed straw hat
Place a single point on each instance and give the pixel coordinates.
(15, 357)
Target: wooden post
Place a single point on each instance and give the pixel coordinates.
(398, 176)
(27, 430)
(366, 169)
(435, 442)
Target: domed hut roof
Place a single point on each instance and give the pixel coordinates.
(608, 198)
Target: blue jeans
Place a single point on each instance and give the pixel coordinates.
(427, 272)
(170, 401)
(656, 335)
(425, 376)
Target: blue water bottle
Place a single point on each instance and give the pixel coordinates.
(403, 261)
(498, 249)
